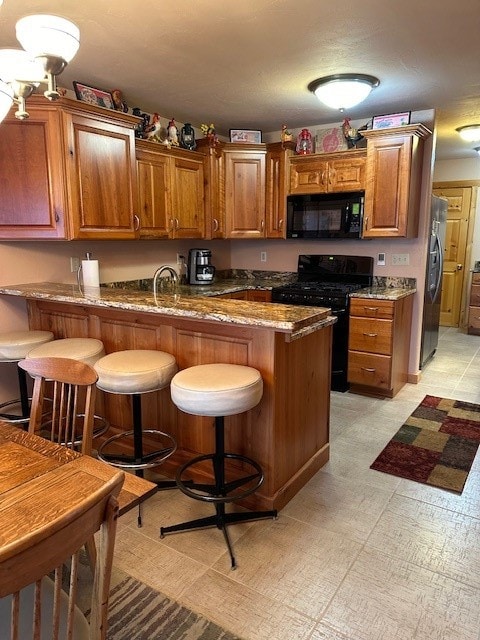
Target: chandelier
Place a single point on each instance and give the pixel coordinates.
(343, 90)
(49, 44)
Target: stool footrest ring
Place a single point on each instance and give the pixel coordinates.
(146, 461)
(211, 492)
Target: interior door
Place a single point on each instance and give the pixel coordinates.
(459, 201)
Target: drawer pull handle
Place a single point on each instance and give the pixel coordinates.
(371, 309)
(368, 369)
(370, 335)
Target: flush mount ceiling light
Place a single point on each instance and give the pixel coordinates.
(49, 43)
(343, 90)
(470, 133)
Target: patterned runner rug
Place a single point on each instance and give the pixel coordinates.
(138, 612)
(436, 445)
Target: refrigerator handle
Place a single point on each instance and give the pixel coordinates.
(440, 270)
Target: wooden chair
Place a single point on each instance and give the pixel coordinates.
(71, 401)
(32, 602)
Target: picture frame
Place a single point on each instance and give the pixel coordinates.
(92, 95)
(389, 121)
(250, 136)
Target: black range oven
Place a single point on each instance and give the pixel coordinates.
(327, 281)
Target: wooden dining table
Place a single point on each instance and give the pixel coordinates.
(40, 480)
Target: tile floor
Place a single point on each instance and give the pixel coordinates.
(356, 555)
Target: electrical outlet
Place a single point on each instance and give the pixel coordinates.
(400, 259)
(263, 256)
(74, 265)
(381, 260)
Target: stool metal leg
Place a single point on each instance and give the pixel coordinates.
(218, 493)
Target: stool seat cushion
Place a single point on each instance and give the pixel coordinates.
(135, 371)
(217, 389)
(14, 345)
(87, 350)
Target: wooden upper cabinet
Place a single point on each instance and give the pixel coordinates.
(328, 173)
(393, 181)
(187, 196)
(67, 172)
(32, 201)
(170, 192)
(101, 177)
(244, 191)
(153, 180)
(277, 188)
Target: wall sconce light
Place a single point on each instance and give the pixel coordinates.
(49, 43)
(470, 133)
(343, 90)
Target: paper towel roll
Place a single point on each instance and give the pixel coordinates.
(90, 273)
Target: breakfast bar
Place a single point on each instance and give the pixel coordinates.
(287, 433)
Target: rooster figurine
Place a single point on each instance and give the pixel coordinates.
(153, 131)
(351, 135)
(172, 133)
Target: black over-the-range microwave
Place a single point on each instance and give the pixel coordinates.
(325, 215)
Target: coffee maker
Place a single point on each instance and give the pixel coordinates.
(200, 270)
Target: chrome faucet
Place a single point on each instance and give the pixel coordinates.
(173, 276)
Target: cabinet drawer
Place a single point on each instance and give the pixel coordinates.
(373, 336)
(476, 278)
(475, 295)
(371, 308)
(369, 370)
(474, 318)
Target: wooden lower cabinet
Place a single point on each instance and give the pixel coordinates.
(379, 345)
(474, 308)
(287, 433)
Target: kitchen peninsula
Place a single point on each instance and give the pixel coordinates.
(287, 433)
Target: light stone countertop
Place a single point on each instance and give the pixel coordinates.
(291, 319)
(384, 293)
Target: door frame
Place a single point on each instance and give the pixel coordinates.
(462, 184)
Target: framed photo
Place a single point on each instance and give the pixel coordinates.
(93, 95)
(391, 120)
(245, 135)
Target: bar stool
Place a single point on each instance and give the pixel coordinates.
(219, 390)
(14, 346)
(87, 350)
(135, 372)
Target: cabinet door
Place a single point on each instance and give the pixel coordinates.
(188, 208)
(393, 181)
(153, 195)
(245, 194)
(101, 178)
(276, 190)
(308, 175)
(346, 175)
(32, 201)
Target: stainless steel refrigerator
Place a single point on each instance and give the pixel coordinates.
(433, 279)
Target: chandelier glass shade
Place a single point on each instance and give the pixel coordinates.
(6, 99)
(49, 44)
(343, 90)
(470, 133)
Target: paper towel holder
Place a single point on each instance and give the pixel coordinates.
(82, 285)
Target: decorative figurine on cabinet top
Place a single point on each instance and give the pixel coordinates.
(208, 131)
(187, 137)
(118, 102)
(141, 126)
(172, 133)
(286, 136)
(153, 132)
(304, 143)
